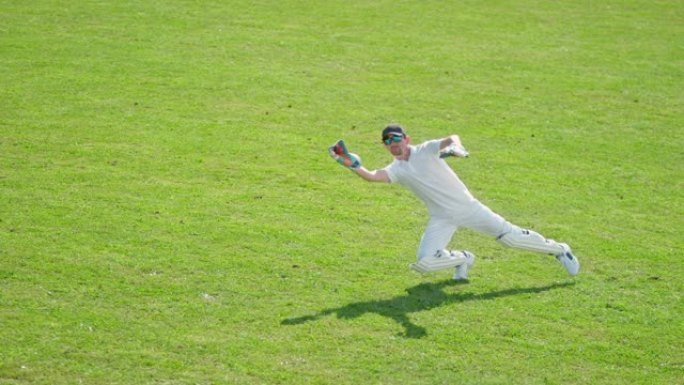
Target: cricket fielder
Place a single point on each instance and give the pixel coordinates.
(423, 170)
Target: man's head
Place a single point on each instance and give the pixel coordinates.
(395, 140)
(393, 129)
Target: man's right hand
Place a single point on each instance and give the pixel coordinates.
(341, 154)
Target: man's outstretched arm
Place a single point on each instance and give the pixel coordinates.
(341, 154)
(372, 176)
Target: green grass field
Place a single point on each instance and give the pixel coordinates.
(169, 213)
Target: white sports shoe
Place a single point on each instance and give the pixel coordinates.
(462, 270)
(569, 261)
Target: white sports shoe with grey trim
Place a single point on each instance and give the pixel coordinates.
(569, 261)
(462, 270)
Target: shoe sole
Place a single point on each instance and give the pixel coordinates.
(570, 263)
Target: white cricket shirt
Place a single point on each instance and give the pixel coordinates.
(433, 181)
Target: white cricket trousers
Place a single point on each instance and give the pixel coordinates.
(440, 230)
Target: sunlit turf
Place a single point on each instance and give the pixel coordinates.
(169, 214)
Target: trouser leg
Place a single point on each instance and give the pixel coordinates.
(530, 240)
(488, 222)
(436, 237)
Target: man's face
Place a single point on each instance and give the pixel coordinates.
(396, 144)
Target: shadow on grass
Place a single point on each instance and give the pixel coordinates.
(421, 297)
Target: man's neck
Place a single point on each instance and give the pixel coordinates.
(405, 156)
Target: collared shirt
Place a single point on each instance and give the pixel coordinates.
(432, 180)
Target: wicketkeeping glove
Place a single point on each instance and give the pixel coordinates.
(454, 150)
(339, 152)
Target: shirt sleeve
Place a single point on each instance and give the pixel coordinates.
(391, 173)
(432, 146)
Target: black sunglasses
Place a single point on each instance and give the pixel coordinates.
(392, 139)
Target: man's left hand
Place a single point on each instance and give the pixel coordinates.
(454, 150)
